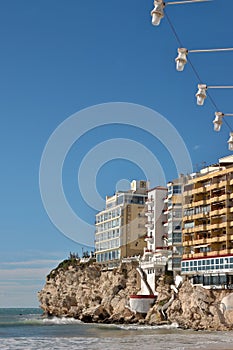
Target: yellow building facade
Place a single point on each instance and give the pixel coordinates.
(207, 230)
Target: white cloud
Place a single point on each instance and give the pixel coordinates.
(30, 263)
(21, 281)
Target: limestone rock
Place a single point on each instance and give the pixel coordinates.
(197, 308)
(89, 293)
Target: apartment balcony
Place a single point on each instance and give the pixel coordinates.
(218, 185)
(189, 205)
(201, 202)
(199, 241)
(217, 239)
(220, 198)
(218, 225)
(198, 255)
(201, 215)
(219, 212)
(149, 225)
(208, 254)
(149, 239)
(187, 256)
(148, 251)
(187, 243)
(197, 190)
(150, 202)
(225, 252)
(231, 195)
(188, 230)
(149, 213)
(201, 228)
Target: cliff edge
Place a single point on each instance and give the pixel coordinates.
(91, 294)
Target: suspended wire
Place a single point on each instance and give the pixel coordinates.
(193, 68)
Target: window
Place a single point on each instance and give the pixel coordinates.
(177, 213)
(223, 279)
(177, 189)
(189, 224)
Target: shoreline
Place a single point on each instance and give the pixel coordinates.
(92, 295)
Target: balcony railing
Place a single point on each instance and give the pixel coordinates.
(149, 239)
(217, 185)
(150, 202)
(149, 213)
(220, 198)
(219, 212)
(148, 251)
(149, 225)
(208, 254)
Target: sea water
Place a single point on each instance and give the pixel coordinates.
(27, 329)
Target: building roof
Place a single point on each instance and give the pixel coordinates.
(226, 160)
(157, 188)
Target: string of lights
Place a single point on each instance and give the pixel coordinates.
(157, 14)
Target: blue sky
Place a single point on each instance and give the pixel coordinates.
(59, 57)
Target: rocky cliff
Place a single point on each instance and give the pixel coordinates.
(91, 294)
(191, 308)
(86, 292)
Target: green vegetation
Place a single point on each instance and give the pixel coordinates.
(73, 260)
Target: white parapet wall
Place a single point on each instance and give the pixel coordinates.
(141, 303)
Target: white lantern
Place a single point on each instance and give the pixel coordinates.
(157, 13)
(201, 94)
(181, 59)
(230, 142)
(218, 121)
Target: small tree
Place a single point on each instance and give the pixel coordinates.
(73, 256)
(86, 254)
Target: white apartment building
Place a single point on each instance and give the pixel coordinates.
(120, 227)
(154, 260)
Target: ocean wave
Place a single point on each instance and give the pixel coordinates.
(148, 327)
(61, 320)
(37, 320)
